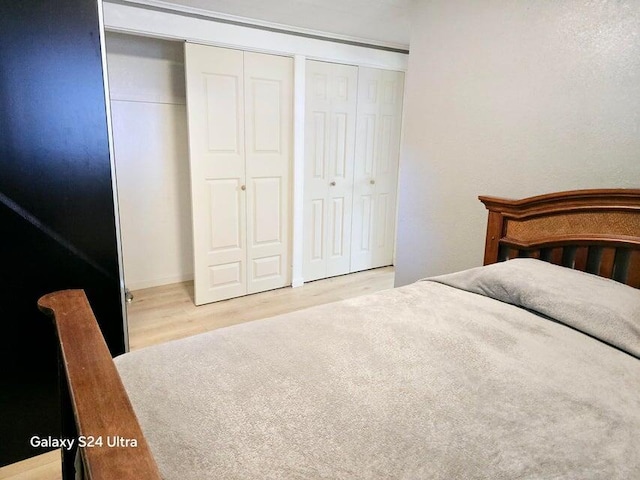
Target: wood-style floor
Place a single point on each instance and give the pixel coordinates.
(166, 313)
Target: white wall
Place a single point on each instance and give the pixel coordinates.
(147, 89)
(511, 99)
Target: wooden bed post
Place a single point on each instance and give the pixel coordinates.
(68, 425)
(95, 405)
(495, 224)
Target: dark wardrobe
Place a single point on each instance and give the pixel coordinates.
(57, 222)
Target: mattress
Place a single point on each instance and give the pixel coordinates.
(516, 370)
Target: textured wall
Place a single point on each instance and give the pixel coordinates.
(513, 99)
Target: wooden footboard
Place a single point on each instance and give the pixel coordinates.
(97, 414)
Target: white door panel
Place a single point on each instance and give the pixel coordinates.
(268, 83)
(215, 104)
(329, 152)
(239, 110)
(316, 170)
(380, 95)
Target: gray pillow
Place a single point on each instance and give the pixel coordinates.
(602, 308)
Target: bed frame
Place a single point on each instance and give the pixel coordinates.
(597, 231)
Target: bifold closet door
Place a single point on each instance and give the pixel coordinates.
(215, 106)
(329, 153)
(268, 86)
(239, 112)
(380, 95)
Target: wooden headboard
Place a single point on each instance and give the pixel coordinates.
(596, 231)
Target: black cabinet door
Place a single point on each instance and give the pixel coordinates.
(57, 223)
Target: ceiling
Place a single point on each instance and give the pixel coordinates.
(383, 22)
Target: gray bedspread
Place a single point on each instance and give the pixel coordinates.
(426, 381)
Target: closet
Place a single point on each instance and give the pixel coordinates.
(239, 108)
(352, 140)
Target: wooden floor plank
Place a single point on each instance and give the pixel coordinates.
(160, 314)
(42, 467)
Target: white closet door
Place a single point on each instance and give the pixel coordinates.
(329, 152)
(380, 95)
(215, 109)
(268, 81)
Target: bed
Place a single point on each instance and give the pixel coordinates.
(526, 368)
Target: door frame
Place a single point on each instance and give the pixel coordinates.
(112, 161)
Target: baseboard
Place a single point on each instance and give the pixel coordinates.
(156, 282)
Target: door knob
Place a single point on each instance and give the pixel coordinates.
(372, 181)
(243, 187)
(333, 184)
